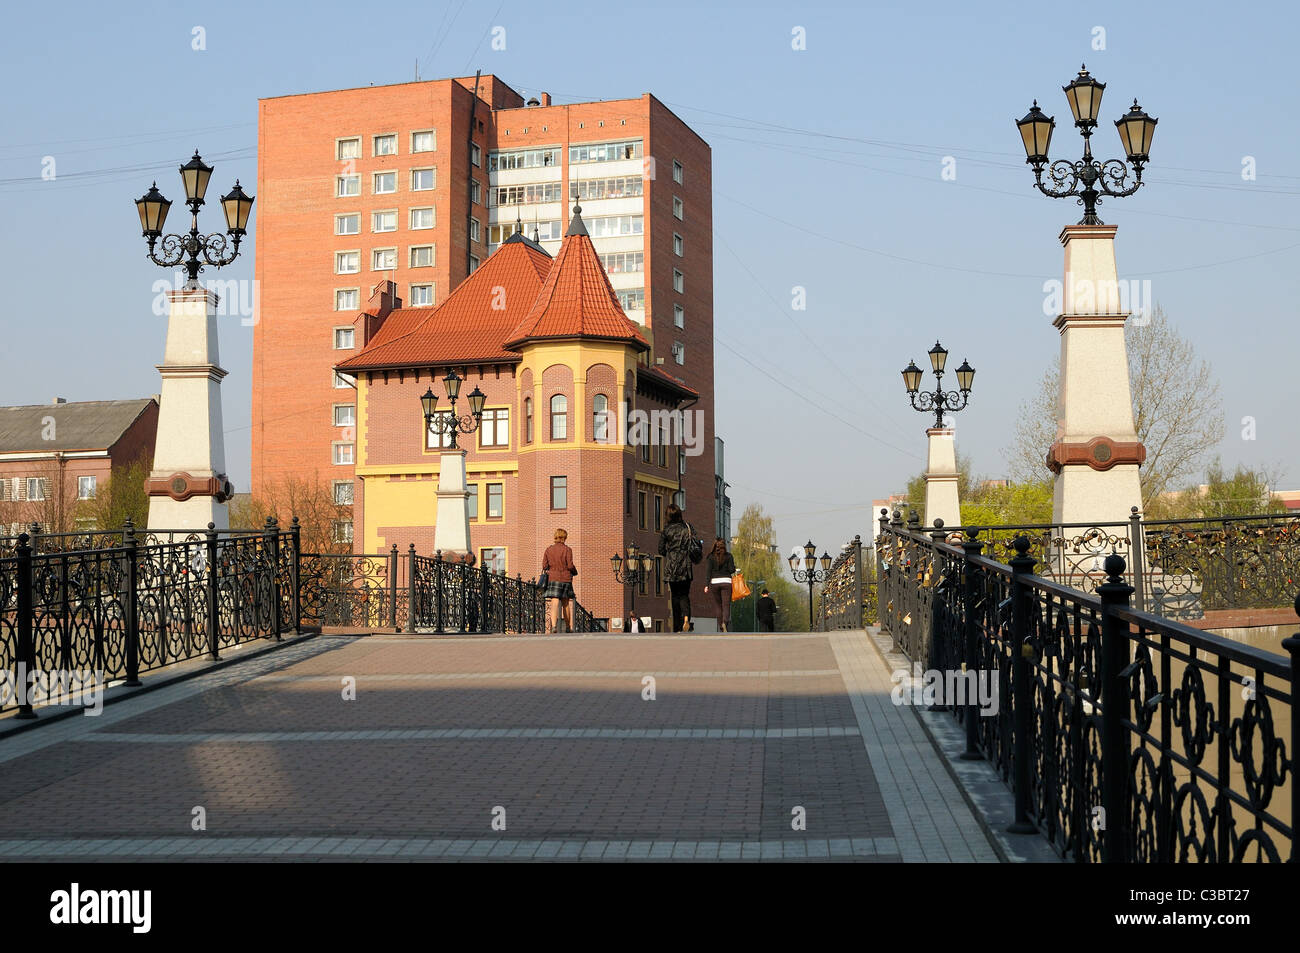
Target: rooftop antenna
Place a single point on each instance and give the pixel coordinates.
(417, 69)
(535, 238)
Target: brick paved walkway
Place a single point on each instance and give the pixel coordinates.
(552, 737)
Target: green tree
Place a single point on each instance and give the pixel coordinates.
(124, 496)
(916, 487)
(756, 553)
(1244, 492)
(1014, 504)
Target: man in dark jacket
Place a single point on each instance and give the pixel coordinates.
(766, 611)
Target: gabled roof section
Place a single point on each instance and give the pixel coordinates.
(83, 425)
(468, 327)
(577, 300)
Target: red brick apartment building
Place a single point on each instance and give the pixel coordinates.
(418, 184)
(56, 456)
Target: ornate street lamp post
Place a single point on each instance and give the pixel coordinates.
(938, 401)
(1087, 179)
(632, 569)
(810, 573)
(448, 422)
(194, 249)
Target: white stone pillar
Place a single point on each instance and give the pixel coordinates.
(941, 478)
(188, 488)
(1097, 453)
(451, 531)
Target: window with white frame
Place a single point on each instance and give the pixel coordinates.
(475, 192)
(422, 296)
(475, 154)
(471, 501)
(386, 145)
(679, 281)
(615, 187)
(385, 221)
(421, 256)
(384, 182)
(347, 148)
(495, 501)
(422, 218)
(527, 194)
(347, 262)
(474, 230)
(679, 316)
(345, 415)
(631, 299)
(343, 493)
(611, 225)
(493, 559)
(342, 380)
(473, 264)
(523, 159)
(559, 492)
(623, 262)
(86, 487)
(677, 172)
(679, 352)
(345, 339)
(605, 151)
(347, 299)
(422, 180)
(679, 245)
(344, 454)
(349, 224)
(559, 417)
(494, 428)
(342, 531)
(383, 259)
(347, 185)
(424, 141)
(434, 440)
(600, 418)
(679, 209)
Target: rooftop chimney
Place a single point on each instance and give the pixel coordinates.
(59, 400)
(546, 99)
(533, 101)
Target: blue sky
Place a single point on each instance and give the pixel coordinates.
(827, 174)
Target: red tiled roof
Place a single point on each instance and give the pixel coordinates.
(660, 376)
(576, 299)
(471, 324)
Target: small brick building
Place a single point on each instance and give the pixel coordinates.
(578, 429)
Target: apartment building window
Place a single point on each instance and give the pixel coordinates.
(384, 183)
(349, 224)
(341, 380)
(385, 221)
(344, 454)
(679, 352)
(347, 148)
(342, 531)
(345, 415)
(679, 316)
(475, 192)
(474, 230)
(605, 151)
(422, 296)
(679, 282)
(424, 141)
(659, 513)
(386, 145)
(434, 440)
(343, 492)
(422, 180)
(528, 420)
(523, 159)
(86, 486)
(527, 194)
(623, 262)
(495, 501)
(345, 339)
(36, 488)
(559, 493)
(640, 509)
(631, 299)
(679, 209)
(471, 504)
(679, 245)
(600, 418)
(612, 225)
(473, 264)
(494, 428)
(559, 417)
(493, 559)
(347, 262)
(615, 187)
(383, 259)
(421, 256)
(346, 186)
(421, 218)
(677, 172)
(475, 154)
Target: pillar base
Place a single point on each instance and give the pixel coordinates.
(451, 531)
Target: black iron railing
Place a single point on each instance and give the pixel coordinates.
(1125, 737)
(848, 596)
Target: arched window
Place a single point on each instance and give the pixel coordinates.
(600, 418)
(528, 420)
(559, 417)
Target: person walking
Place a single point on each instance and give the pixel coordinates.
(721, 568)
(766, 612)
(557, 563)
(675, 547)
(633, 624)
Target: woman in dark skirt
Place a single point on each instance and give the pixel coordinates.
(557, 563)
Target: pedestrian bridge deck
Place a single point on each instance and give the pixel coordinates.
(450, 739)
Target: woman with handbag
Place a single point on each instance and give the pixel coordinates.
(557, 564)
(721, 568)
(675, 545)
